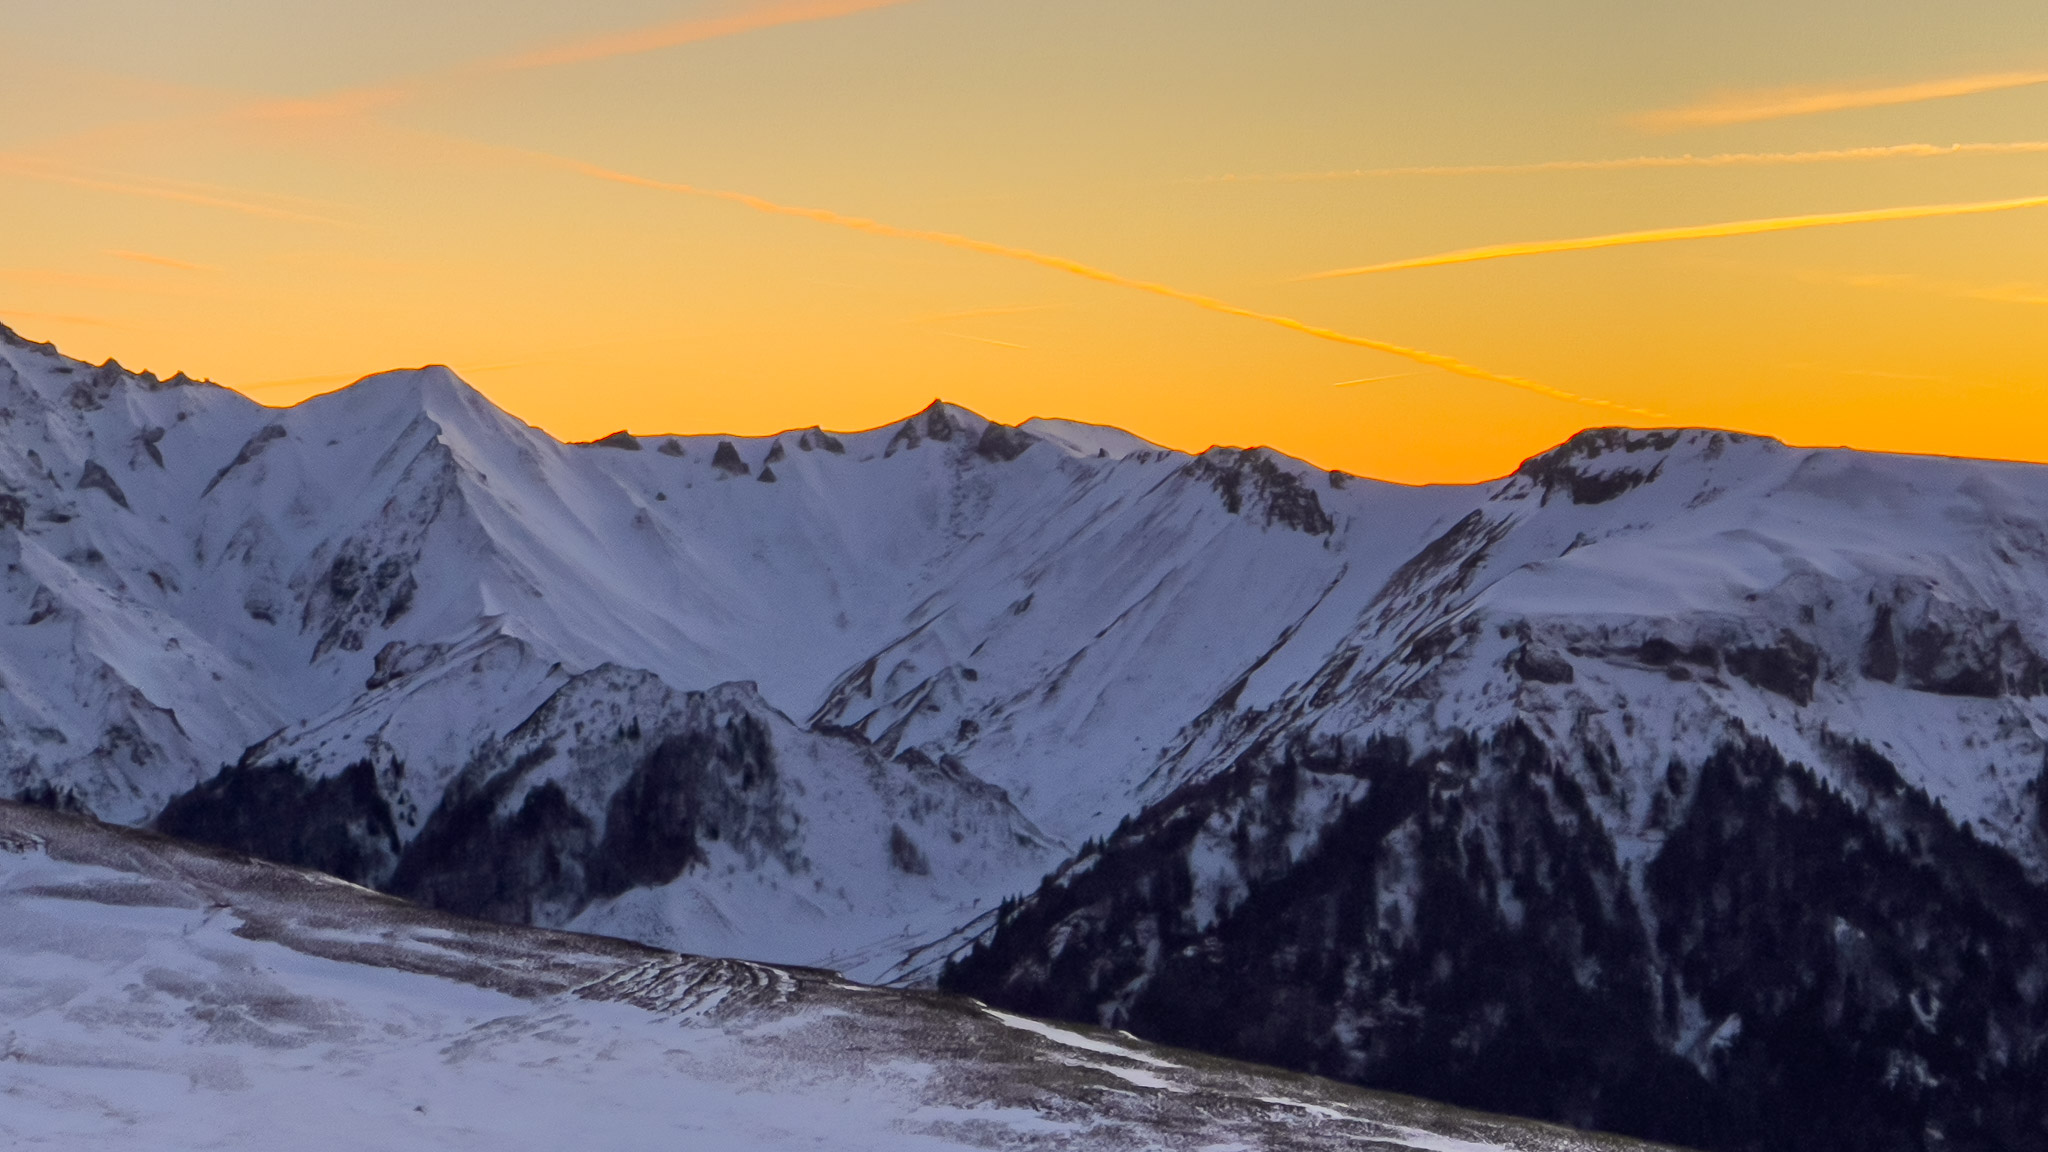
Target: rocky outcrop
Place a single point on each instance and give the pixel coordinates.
(1251, 482)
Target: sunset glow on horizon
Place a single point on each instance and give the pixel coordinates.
(1413, 242)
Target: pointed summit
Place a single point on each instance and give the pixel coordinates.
(434, 392)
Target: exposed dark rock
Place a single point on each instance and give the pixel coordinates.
(620, 439)
(939, 423)
(356, 594)
(1658, 652)
(13, 511)
(816, 438)
(1566, 466)
(1788, 668)
(398, 660)
(98, 477)
(767, 475)
(906, 437)
(148, 439)
(1542, 665)
(1983, 660)
(92, 391)
(1881, 650)
(671, 447)
(250, 451)
(43, 606)
(1250, 477)
(338, 824)
(1002, 443)
(1445, 566)
(727, 460)
(934, 423)
(45, 794)
(904, 854)
(775, 454)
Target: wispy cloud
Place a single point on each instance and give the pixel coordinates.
(53, 172)
(1716, 160)
(1437, 360)
(58, 318)
(1751, 107)
(752, 17)
(1692, 232)
(145, 286)
(2016, 292)
(159, 261)
(674, 33)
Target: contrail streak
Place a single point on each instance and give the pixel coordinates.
(1449, 364)
(33, 169)
(1717, 160)
(1779, 105)
(634, 42)
(1372, 380)
(1693, 232)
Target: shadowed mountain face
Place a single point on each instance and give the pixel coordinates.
(1681, 783)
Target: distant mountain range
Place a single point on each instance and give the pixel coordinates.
(1682, 783)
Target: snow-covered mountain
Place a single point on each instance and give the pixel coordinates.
(1685, 784)
(154, 996)
(420, 630)
(1681, 783)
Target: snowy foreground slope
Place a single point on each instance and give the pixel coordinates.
(156, 996)
(1681, 783)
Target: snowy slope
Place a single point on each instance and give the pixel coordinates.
(1682, 766)
(831, 698)
(152, 996)
(371, 592)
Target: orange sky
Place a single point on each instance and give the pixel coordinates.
(1411, 241)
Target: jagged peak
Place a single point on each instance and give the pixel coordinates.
(12, 339)
(953, 424)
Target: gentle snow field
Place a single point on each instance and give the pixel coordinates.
(156, 997)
